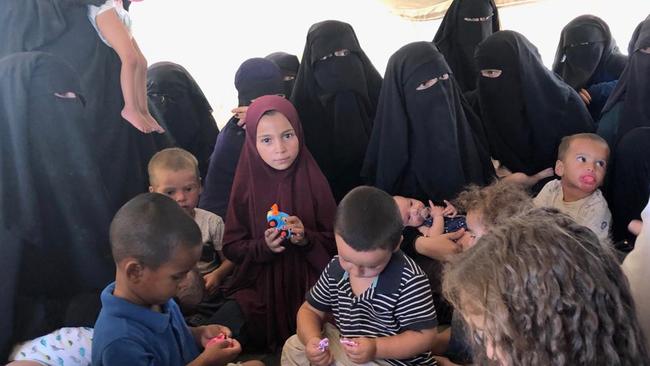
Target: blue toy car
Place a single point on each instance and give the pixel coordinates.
(278, 219)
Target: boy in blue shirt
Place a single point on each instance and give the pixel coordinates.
(380, 299)
(154, 244)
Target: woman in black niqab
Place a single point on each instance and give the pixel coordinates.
(336, 93)
(54, 205)
(61, 27)
(525, 108)
(289, 66)
(466, 24)
(628, 104)
(426, 143)
(587, 58)
(178, 103)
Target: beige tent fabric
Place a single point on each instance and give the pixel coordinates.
(431, 9)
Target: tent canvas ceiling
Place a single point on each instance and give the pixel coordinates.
(431, 9)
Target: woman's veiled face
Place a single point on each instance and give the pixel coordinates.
(276, 141)
(475, 23)
(427, 91)
(340, 70)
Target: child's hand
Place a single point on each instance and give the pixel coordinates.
(424, 230)
(635, 227)
(315, 355)
(221, 353)
(212, 281)
(274, 240)
(297, 230)
(206, 332)
(436, 211)
(584, 95)
(240, 113)
(450, 210)
(364, 351)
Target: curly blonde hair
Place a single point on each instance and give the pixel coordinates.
(548, 294)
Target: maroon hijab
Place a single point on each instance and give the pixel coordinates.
(271, 287)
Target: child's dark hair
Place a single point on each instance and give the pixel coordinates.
(565, 143)
(367, 219)
(149, 228)
(548, 293)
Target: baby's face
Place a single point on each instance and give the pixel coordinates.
(412, 211)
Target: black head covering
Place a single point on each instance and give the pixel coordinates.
(425, 143)
(289, 65)
(52, 26)
(336, 97)
(254, 78)
(630, 181)
(177, 102)
(527, 109)
(54, 208)
(465, 25)
(633, 87)
(587, 49)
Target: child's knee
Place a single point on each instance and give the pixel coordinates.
(292, 351)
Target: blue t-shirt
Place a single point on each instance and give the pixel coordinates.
(130, 334)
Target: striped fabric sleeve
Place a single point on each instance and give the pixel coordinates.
(321, 295)
(415, 310)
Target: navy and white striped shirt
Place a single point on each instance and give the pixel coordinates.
(399, 300)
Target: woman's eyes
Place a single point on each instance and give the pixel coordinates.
(431, 82)
(338, 53)
(478, 19)
(645, 50)
(66, 95)
(491, 73)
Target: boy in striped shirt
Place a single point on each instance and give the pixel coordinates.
(380, 299)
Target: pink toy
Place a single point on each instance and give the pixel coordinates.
(218, 339)
(348, 342)
(324, 344)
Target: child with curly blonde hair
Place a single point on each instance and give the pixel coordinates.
(540, 289)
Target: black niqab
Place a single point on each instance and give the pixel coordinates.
(630, 181)
(289, 66)
(178, 104)
(466, 24)
(55, 210)
(633, 87)
(527, 109)
(425, 144)
(587, 49)
(336, 96)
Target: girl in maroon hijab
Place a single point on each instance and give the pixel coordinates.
(274, 273)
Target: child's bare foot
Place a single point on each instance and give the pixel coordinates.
(136, 119)
(153, 124)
